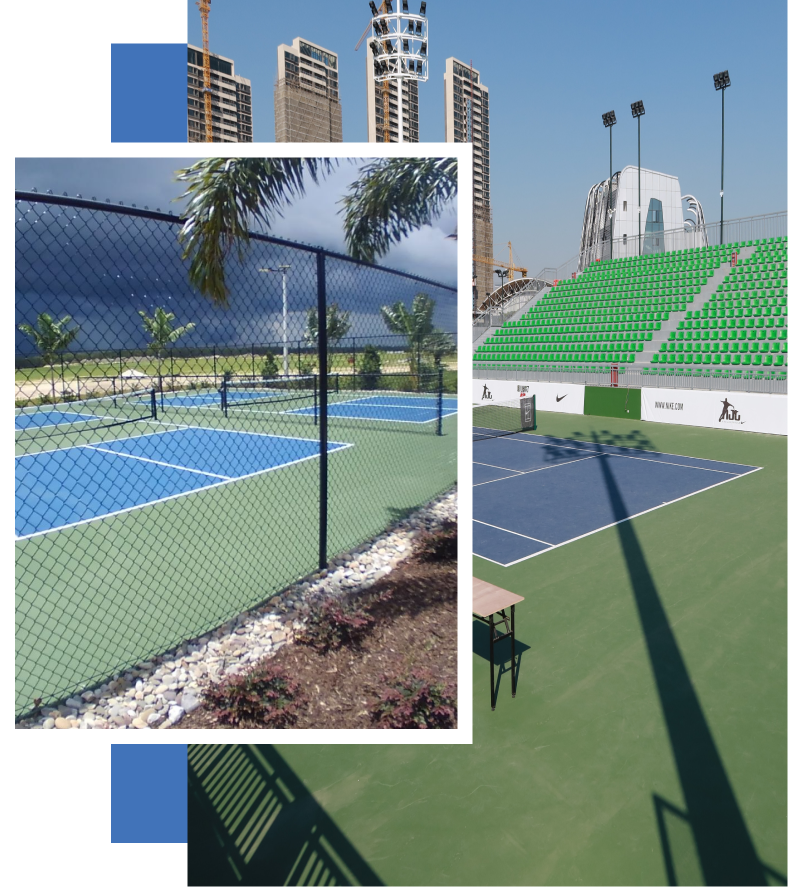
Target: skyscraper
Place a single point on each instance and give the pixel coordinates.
(231, 100)
(467, 104)
(403, 106)
(306, 94)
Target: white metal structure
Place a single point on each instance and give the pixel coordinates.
(282, 269)
(399, 47)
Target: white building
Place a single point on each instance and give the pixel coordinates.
(611, 227)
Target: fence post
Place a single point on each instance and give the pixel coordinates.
(440, 401)
(253, 375)
(353, 339)
(215, 373)
(322, 348)
(172, 370)
(120, 370)
(418, 365)
(299, 357)
(62, 379)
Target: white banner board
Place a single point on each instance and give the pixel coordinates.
(551, 397)
(741, 411)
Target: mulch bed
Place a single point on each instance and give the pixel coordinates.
(415, 628)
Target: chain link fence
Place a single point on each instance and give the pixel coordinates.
(179, 462)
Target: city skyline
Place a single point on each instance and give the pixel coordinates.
(547, 142)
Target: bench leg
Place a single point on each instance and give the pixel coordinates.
(512, 664)
(492, 661)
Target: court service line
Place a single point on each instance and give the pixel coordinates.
(615, 523)
(157, 462)
(534, 470)
(504, 530)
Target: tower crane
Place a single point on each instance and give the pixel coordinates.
(205, 7)
(510, 267)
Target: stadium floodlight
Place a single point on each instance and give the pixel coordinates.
(721, 82)
(410, 26)
(423, 50)
(388, 6)
(378, 29)
(282, 269)
(638, 111)
(418, 67)
(418, 28)
(609, 119)
(389, 47)
(375, 47)
(404, 5)
(423, 10)
(405, 46)
(373, 8)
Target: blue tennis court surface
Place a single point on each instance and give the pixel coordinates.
(533, 493)
(60, 488)
(389, 408)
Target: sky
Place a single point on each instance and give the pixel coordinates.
(310, 219)
(552, 69)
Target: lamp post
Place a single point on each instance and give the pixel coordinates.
(638, 111)
(503, 273)
(609, 120)
(721, 82)
(282, 269)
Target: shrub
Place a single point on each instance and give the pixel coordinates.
(262, 696)
(416, 701)
(368, 368)
(270, 366)
(440, 545)
(331, 624)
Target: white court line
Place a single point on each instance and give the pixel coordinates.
(504, 530)
(83, 445)
(157, 462)
(513, 437)
(534, 470)
(373, 419)
(222, 483)
(615, 523)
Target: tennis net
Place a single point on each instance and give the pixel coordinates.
(51, 419)
(506, 417)
(241, 393)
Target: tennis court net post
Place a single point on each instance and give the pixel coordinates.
(506, 417)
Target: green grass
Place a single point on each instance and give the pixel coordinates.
(98, 597)
(620, 713)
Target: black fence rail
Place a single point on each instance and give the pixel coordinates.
(179, 462)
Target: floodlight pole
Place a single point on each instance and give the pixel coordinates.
(722, 166)
(282, 269)
(640, 248)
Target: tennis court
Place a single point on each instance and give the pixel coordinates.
(569, 480)
(69, 486)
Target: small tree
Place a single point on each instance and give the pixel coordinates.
(338, 324)
(162, 334)
(50, 338)
(415, 325)
(270, 366)
(439, 343)
(368, 366)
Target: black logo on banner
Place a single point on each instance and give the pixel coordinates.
(559, 399)
(729, 413)
(522, 389)
(487, 394)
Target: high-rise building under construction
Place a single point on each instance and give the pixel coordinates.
(403, 106)
(467, 105)
(306, 94)
(231, 100)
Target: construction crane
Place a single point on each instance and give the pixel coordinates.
(385, 87)
(205, 7)
(510, 267)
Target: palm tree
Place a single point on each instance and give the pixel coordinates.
(390, 198)
(50, 338)
(415, 325)
(162, 334)
(338, 324)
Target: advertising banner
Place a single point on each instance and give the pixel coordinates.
(551, 397)
(741, 411)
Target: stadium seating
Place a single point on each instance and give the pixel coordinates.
(608, 314)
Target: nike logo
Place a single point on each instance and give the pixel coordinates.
(559, 399)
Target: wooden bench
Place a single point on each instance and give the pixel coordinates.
(488, 601)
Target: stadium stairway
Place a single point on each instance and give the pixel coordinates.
(645, 357)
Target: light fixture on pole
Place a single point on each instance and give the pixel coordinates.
(503, 273)
(721, 82)
(609, 119)
(638, 111)
(282, 269)
(401, 54)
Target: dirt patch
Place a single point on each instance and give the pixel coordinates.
(415, 612)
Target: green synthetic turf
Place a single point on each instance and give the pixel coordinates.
(587, 776)
(94, 599)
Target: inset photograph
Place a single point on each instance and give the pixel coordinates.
(236, 443)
